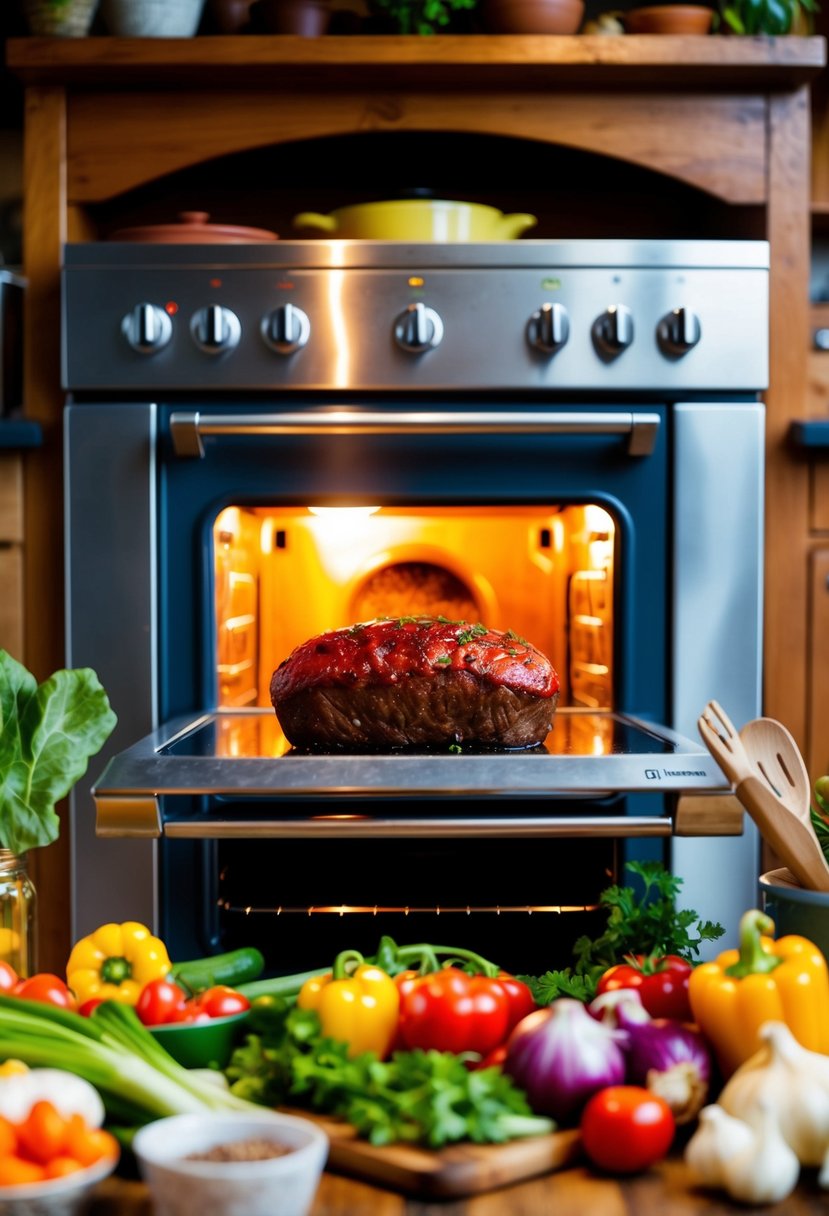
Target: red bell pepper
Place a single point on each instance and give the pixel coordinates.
(449, 1010)
(660, 980)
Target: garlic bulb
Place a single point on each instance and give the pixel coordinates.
(752, 1164)
(794, 1083)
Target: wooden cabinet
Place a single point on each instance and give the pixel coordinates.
(633, 136)
(11, 553)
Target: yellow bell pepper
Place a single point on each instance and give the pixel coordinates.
(764, 981)
(115, 962)
(358, 1007)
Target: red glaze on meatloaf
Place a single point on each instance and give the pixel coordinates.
(413, 681)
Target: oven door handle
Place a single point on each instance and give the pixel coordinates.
(189, 427)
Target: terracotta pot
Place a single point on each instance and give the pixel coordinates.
(533, 16)
(194, 229)
(669, 19)
(152, 18)
(307, 18)
(48, 19)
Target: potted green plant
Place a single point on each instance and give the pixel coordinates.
(768, 16)
(48, 732)
(59, 18)
(421, 16)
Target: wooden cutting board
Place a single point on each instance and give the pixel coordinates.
(447, 1173)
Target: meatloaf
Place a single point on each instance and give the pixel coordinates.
(415, 681)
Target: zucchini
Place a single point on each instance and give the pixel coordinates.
(233, 968)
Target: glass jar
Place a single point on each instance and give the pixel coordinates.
(17, 913)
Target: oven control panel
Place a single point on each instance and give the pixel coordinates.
(486, 318)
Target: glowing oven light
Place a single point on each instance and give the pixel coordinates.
(376, 909)
(343, 514)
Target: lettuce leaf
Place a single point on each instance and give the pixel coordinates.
(47, 734)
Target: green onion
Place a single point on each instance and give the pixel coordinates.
(112, 1050)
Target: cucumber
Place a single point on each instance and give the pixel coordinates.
(233, 968)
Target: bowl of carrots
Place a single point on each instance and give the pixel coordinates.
(50, 1161)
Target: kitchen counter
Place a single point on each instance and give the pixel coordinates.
(664, 1190)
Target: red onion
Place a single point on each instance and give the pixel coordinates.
(560, 1056)
(671, 1058)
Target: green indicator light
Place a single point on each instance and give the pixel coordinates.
(551, 284)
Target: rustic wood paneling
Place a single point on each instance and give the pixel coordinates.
(11, 497)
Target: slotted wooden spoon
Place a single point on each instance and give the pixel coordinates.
(770, 779)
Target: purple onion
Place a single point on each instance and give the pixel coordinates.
(670, 1058)
(560, 1056)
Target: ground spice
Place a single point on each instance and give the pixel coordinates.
(256, 1149)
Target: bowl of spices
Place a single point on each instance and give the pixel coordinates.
(231, 1164)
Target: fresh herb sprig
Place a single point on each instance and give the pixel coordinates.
(645, 921)
(427, 1097)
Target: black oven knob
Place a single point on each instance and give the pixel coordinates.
(147, 328)
(418, 329)
(286, 329)
(678, 332)
(215, 329)
(549, 328)
(613, 331)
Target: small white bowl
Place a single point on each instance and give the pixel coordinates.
(58, 1196)
(283, 1185)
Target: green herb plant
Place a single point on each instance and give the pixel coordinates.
(427, 1097)
(820, 819)
(47, 734)
(420, 16)
(645, 921)
(767, 16)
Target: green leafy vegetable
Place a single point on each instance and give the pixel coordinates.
(644, 922)
(427, 1097)
(820, 820)
(47, 734)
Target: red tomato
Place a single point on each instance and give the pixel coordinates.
(452, 1011)
(159, 1002)
(520, 998)
(85, 1010)
(662, 984)
(48, 988)
(626, 1128)
(8, 976)
(190, 1013)
(221, 1001)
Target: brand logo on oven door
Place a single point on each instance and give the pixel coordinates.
(656, 774)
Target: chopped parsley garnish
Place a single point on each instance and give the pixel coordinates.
(455, 748)
(444, 659)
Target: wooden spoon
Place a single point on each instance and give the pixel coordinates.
(771, 782)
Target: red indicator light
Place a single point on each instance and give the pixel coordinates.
(215, 282)
(285, 285)
(171, 308)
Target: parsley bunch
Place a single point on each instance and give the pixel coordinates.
(646, 922)
(427, 1097)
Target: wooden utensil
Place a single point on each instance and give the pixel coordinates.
(773, 787)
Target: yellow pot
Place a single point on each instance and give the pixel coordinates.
(417, 220)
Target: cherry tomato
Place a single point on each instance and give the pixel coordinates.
(626, 1128)
(221, 1001)
(189, 1013)
(159, 1002)
(48, 988)
(8, 977)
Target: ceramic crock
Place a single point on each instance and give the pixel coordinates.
(417, 220)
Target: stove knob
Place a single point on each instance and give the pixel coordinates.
(215, 329)
(147, 328)
(678, 332)
(286, 329)
(549, 328)
(613, 331)
(418, 329)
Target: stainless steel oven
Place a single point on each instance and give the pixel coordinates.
(262, 443)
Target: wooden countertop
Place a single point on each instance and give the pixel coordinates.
(664, 1190)
(454, 61)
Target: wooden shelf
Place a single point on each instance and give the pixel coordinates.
(282, 63)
